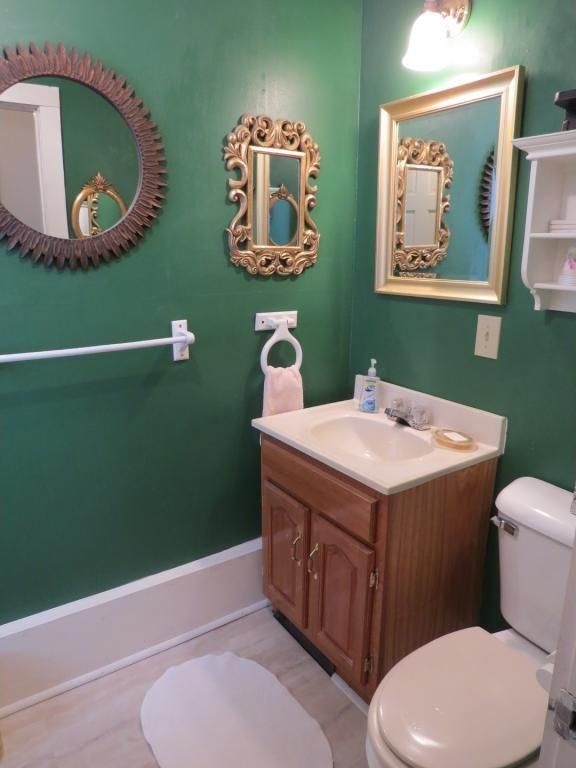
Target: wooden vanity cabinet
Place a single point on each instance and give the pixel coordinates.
(368, 578)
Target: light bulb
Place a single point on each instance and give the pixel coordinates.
(428, 44)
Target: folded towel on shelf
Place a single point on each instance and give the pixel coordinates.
(283, 390)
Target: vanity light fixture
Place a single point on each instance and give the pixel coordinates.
(429, 44)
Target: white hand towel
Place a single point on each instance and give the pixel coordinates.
(283, 390)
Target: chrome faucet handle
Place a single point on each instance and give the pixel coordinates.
(420, 417)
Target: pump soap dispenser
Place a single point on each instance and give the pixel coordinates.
(369, 395)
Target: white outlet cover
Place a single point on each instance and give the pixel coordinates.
(488, 336)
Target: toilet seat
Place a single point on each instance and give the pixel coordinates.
(463, 700)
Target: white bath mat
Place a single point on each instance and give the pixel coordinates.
(228, 712)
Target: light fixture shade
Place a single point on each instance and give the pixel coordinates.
(428, 45)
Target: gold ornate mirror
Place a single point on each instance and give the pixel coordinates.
(431, 242)
(90, 213)
(422, 236)
(273, 231)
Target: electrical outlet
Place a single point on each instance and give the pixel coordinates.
(488, 336)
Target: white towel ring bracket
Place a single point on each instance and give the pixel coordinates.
(280, 334)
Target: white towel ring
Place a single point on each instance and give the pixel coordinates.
(281, 334)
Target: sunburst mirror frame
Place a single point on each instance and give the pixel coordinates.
(486, 197)
(29, 62)
(284, 137)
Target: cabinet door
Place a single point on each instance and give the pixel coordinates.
(285, 540)
(340, 568)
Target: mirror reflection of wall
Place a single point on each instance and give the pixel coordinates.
(470, 132)
(422, 206)
(109, 212)
(58, 133)
(283, 217)
(276, 195)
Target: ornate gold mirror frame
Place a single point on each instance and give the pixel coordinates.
(422, 155)
(284, 138)
(507, 85)
(29, 62)
(98, 185)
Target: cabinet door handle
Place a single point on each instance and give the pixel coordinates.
(295, 543)
(310, 566)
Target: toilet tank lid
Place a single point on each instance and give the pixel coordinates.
(540, 506)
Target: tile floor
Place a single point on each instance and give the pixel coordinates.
(98, 726)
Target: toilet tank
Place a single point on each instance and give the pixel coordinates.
(536, 535)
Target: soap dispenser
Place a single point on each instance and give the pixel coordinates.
(369, 395)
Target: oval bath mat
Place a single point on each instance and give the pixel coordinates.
(223, 711)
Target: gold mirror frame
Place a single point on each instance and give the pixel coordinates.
(97, 185)
(433, 155)
(281, 137)
(506, 84)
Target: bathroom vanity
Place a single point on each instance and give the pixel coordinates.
(372, 553)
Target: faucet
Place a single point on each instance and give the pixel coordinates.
(399, 415)
(417, 417)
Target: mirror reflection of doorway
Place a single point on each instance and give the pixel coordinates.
(32, 185)
(421, 213)
(275, 198)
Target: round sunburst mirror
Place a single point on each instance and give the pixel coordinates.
(66, 121)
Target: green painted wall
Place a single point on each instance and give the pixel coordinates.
(115, 467)
(428, 345)
(112, 468)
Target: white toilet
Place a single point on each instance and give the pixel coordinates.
(470, 699)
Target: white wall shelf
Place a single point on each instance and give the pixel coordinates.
(555, 287)
(552, 195)
(553, 235)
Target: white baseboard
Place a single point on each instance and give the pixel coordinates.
(51, 652)
(352, 695)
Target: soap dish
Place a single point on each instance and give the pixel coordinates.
(457, 441)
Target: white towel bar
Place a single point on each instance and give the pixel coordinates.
(280, 334)
(179, 341)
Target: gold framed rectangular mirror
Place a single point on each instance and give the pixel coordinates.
(273, 232)
(277, 184)
(446, 186)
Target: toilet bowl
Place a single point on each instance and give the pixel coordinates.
(471, 699)
(466, 699)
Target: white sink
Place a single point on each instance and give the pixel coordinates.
(379, 453)
(374, 440)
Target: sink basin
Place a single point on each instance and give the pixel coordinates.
(379, 453)
(376, 440)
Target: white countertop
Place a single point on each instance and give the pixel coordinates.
(312, 432)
